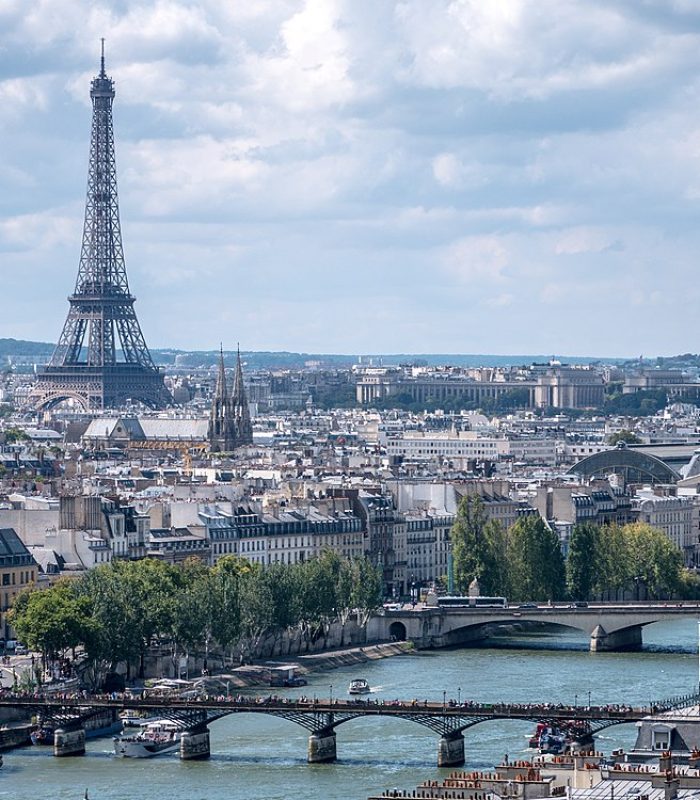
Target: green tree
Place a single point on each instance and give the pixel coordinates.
(655, 560)
(479, 547)
(229, 574)
(536, 563)
(495, 580)
(614, 570)
(195, 610)
(116, 615)
(469, 544)
(582, 561)
(14, 435)
(626, 436)
(366, 594)
(53, 620)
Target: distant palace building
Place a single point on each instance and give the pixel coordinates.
(538, 386)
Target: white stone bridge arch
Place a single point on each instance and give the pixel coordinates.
(609, 626)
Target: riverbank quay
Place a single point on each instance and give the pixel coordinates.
(259, 674)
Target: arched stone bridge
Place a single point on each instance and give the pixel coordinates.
(609, 626)
(321, 718)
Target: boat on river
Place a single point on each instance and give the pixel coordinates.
(130, 718)
(555, 740)
(155, 738)
(359, 686)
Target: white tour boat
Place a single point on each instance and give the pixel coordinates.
(358, 686)
(154, 738)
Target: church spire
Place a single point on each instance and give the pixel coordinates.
(221, 393)
(221, 421)
(239, 403)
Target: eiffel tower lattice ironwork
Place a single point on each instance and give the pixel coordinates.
(101, 359)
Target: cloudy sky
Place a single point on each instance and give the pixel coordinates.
(510, 176)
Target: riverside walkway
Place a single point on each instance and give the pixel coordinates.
(321, 717)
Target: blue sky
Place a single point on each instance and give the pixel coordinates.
(365, 176)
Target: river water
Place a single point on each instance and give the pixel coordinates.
(255, 757)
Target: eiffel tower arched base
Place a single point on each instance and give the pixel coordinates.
(97, 388)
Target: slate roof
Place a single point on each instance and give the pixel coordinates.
(13, 552)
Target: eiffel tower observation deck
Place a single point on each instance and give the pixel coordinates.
(101, 359)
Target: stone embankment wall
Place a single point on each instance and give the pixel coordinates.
(337, 646)
(260, 674)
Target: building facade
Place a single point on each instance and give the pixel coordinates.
(18, 571)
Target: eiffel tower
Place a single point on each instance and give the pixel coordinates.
(101, 359)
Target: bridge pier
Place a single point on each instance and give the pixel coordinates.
(69, 742)
(451, 750)
(322, 746)
(624, 639)
(194, 745)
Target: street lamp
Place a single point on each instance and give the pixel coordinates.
(444, 700)
(575, 701)
(331, 694)
(459, 696)
(589, 698)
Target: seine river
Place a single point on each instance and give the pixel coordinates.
(255, 757)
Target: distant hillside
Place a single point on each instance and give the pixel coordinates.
(39, 352)
(288, 360)
(12, 348)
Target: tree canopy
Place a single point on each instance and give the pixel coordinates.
(526, 562)
(117, 610)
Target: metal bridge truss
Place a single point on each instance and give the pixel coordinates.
(445, 720)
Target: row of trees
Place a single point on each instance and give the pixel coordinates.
(116, 611)
(609, 560)
(526, 561)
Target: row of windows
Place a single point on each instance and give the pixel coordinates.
(314, 528)
(25, 577)
(15, 561)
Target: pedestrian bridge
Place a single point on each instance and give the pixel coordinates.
(609, 626)
(321, 717)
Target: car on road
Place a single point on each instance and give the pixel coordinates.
(21, 649)
(528, 605)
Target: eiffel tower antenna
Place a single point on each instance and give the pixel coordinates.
(101, 359)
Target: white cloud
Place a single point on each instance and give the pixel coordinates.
(477, 258)
(21, 95)
(574, 241)
(309, 68)
(470, 165)
(37, 231)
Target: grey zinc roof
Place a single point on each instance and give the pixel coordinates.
(150, 428)
(185, 429)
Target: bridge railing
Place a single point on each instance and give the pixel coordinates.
(362, 705)
(680, 701)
